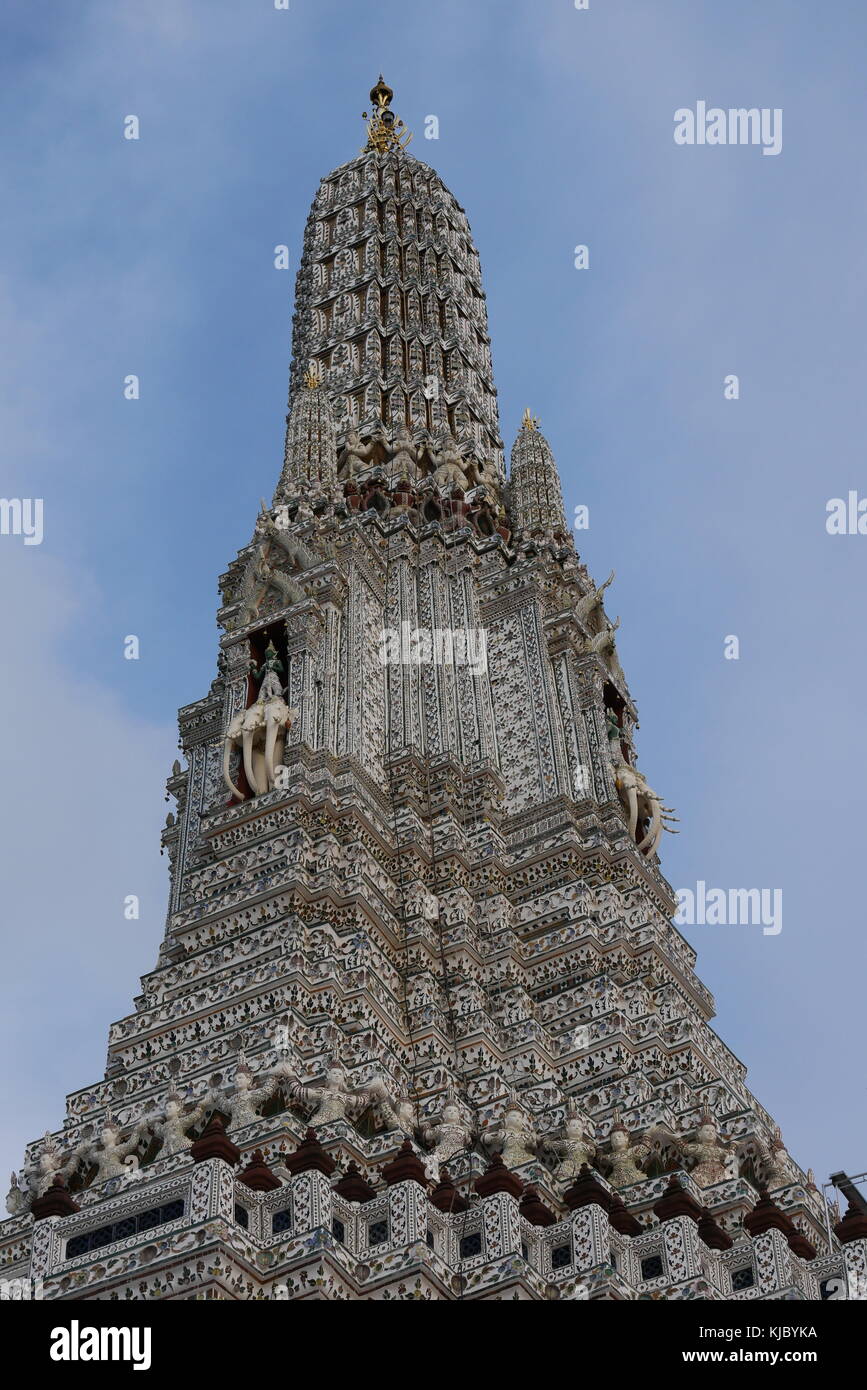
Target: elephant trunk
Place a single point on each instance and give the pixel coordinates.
(650, 843)
(248, 761)
(270, 745)
(227, 776)
(632, 807)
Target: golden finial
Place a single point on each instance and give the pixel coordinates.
(311, 377)
(530, 422)
(385, 131)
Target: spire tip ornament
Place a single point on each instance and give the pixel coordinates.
(385, 130)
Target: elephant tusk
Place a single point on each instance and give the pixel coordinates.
(270, 744)
(248, 761)
(227, 776)
(632, 797)
(651, 840)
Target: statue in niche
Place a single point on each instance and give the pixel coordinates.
(614, 734)
(268, 674)
(575, 1148)
(260, 730)
(451, 1136)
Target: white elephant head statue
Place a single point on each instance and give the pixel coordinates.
(641, 804)
(260, 733)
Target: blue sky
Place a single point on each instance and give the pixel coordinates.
(155, 257)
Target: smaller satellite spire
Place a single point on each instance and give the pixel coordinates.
(537, 498)
(385, 131)
(310, 455)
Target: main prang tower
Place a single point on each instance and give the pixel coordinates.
(421, 1025)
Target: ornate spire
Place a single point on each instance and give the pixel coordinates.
(537, 499)
(479, 755)
(390, 312)
(310, 458)
(385, 131)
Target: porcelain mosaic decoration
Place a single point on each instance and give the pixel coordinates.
(421, 1026)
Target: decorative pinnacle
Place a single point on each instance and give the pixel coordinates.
(530, 422)
(385, 131)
